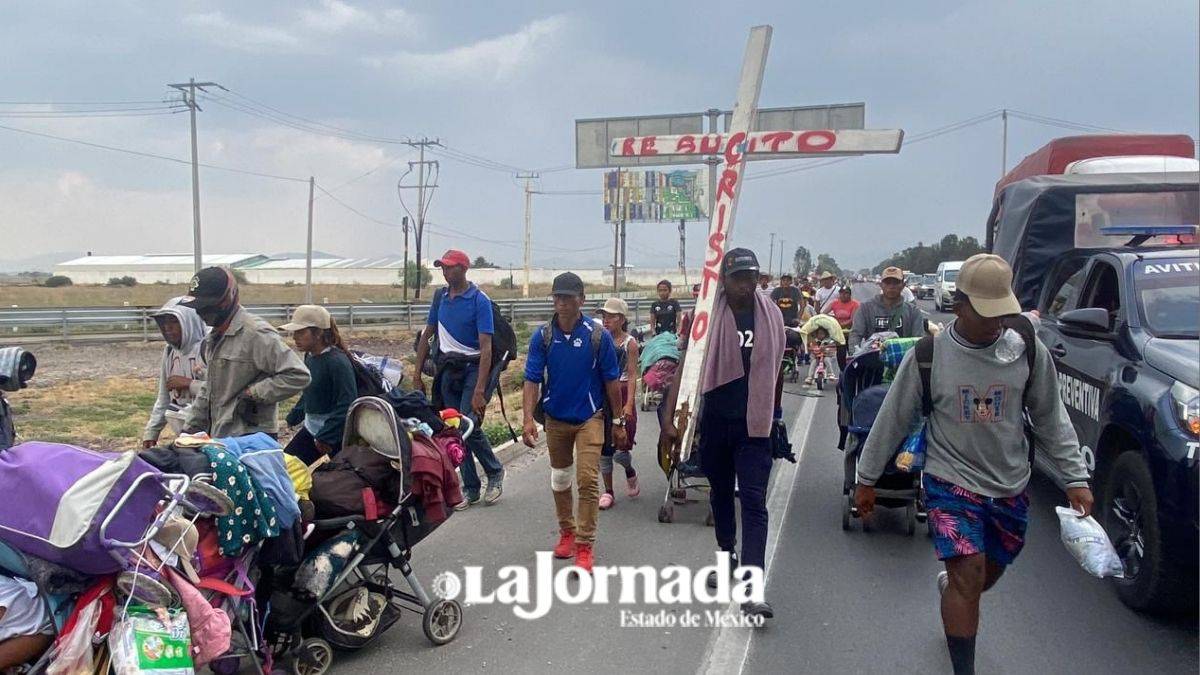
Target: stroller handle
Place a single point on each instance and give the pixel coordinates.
(173, 495)
(470, 427)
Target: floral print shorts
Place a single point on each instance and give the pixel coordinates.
(965, 523)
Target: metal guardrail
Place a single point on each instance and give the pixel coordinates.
(67, 323)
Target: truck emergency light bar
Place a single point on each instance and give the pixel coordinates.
(1185, 235)
(1149, 230)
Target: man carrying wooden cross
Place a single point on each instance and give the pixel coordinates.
(742, 387)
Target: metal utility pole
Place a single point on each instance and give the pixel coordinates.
(618, 222)
(308, 291)
(1004, 144)
(683, 249)
(404, 281)
(771, 255)
(422, 203)
(781, 249)
(528, 229)
(189, 98)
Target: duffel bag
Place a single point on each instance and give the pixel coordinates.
(353, 484)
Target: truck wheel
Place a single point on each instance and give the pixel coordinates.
(1153, 581)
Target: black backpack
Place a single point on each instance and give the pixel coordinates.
(504, 339)
(1018, 323)
(367, 378)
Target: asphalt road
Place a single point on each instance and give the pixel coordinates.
(845, 602)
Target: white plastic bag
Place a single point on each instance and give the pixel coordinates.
(1089, 543)
(73, 653)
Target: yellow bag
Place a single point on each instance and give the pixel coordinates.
(301, 477)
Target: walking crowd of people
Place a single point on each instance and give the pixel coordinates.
(225, 372)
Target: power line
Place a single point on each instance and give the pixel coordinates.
(150, 155)
(60, 103)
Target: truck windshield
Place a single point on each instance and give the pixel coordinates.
(950, 275)
(1168, 293)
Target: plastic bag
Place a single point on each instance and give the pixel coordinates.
(143, 643)
(1089, 543)
(73, 652)
(911, 456)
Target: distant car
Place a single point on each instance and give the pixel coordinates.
(926, 286)
(944, 284)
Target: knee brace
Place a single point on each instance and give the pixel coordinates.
(562, 479)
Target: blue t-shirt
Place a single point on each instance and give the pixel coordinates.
(460, 320)
(577, 378)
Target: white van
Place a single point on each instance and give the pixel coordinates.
(943, 291)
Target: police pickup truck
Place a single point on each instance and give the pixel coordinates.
(1109, 259)
(1121, 326)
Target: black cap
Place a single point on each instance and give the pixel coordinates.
(740, 260)
(207, 288)
(567, 283)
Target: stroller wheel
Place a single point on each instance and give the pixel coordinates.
(846, 514)
(679, 495)
(145, 589)
(666, 513)
(910, 516)
(313, 657)
(709, 521)
(441, 621)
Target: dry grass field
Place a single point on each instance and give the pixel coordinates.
(100, 395)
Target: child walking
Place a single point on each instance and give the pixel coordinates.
(612, 315)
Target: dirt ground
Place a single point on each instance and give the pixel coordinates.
(100, 395)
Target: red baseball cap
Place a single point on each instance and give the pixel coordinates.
(453, 258)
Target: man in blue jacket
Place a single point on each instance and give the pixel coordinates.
(574, 360)
(462, 316)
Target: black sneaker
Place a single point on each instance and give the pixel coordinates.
(761, 609)
(712, 576)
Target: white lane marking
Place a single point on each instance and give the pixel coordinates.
(729, 647)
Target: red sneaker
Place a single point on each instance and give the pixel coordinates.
(584, 557)
(566, 545)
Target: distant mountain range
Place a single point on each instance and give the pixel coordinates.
(37, 263)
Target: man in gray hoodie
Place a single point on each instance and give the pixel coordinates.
(977, 462)
(887, 312)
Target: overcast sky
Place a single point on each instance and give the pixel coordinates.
(505, 81)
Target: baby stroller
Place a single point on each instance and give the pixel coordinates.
(863, 392)
(360, 601)
(683, 475)
(87, 511)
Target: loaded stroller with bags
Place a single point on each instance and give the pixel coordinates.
(863, 390)
(343, 596)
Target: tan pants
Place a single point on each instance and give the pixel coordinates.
(577, 444)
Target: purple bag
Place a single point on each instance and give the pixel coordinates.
(65, 496)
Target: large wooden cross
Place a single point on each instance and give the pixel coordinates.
(736, 146)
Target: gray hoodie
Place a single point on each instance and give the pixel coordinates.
(184, 360)
(873, 316)
(975, 438)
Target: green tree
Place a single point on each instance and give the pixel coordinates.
(409, 275)
(482, 263)
(826, 263)
(57, 281)
(925, 259)
(802, 261)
